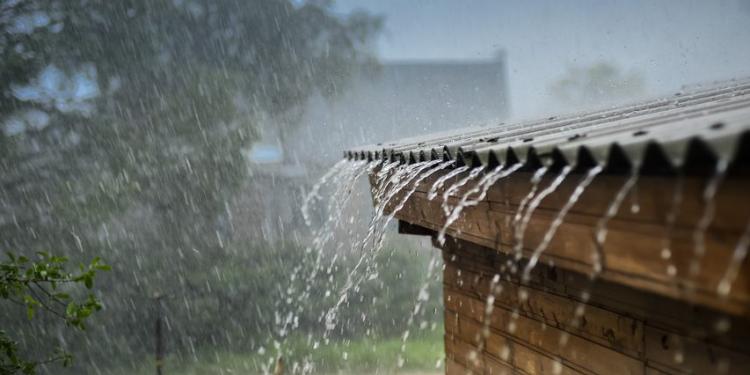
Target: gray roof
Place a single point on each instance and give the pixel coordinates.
(669, 134)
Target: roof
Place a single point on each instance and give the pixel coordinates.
(682, 132)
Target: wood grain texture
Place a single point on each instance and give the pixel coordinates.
(635, 240)
(623, 330)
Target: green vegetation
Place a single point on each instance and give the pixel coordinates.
(367, 355)
(44, 284)
(122, 128)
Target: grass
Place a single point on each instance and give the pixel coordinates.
(423, 355)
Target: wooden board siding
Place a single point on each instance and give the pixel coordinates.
(624, 330)
(635, 239)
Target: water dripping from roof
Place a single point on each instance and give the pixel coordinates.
(489, 306)
(313, 195)
(404, 174)
(480, 189)
(600, 236)
(433, 192)
(536, 202)
(738, 258)
(558, 220)
(709, 211)
(671, 220)
(518, 230)
(474, 173)
(423, 296)
(600, 233)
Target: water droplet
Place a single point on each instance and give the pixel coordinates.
(679, 357)
(666, 253)
(557, 367)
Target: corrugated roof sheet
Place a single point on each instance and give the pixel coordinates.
(669, 134)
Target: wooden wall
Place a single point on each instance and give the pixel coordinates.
(535, 328)
(635, 239)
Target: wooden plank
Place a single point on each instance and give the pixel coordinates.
(464, 353)
(633, 252)
(468, 266)
(654, 195)
(675, 353)
(495, 367)
(578, 351)
(621, 333)
(504, 351)
(454, 368)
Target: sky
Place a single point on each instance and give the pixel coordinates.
(670, 43)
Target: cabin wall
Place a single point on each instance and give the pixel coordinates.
(620, 330)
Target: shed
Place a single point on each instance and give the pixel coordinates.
(609, 242)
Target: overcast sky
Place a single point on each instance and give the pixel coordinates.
(671, 43)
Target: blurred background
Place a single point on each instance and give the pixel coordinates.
(178, 140)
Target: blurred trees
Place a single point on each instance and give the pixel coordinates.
(121, 129)
(597, 84)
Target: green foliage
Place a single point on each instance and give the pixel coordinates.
(363, 355)
(143, 171)
(44, 284)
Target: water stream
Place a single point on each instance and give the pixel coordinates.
(480, 189)
(535, 202)
(709, 211)
(313, 194)
(473, 173)
(598, 256)
(393, 184)
(671, 221)
(600, 233)
(422, 297)
(550, 234)
(411, 173)
(536, 178)
(433, 192)
(738, 258)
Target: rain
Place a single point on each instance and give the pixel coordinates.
(373, 187)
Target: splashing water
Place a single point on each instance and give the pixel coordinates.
(408, 194)
(600, 237)
(709, 210)
(489, 307)
(738, 258)
(413, 173)
(600, 233)
(518, 249)
(422, 297)
(517, 234)
(441, 181)
(535, 202)
(335, 208)
(342, 181)
(313, 195)
(574, 196)
(474, 173)
(480, 189)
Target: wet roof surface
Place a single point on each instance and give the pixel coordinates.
(682, 132)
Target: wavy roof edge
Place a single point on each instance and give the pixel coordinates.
(666, 135)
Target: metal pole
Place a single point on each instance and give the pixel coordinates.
(159, 341)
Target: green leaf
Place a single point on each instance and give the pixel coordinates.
(103, 267)
(70, 309)
(62, 296)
